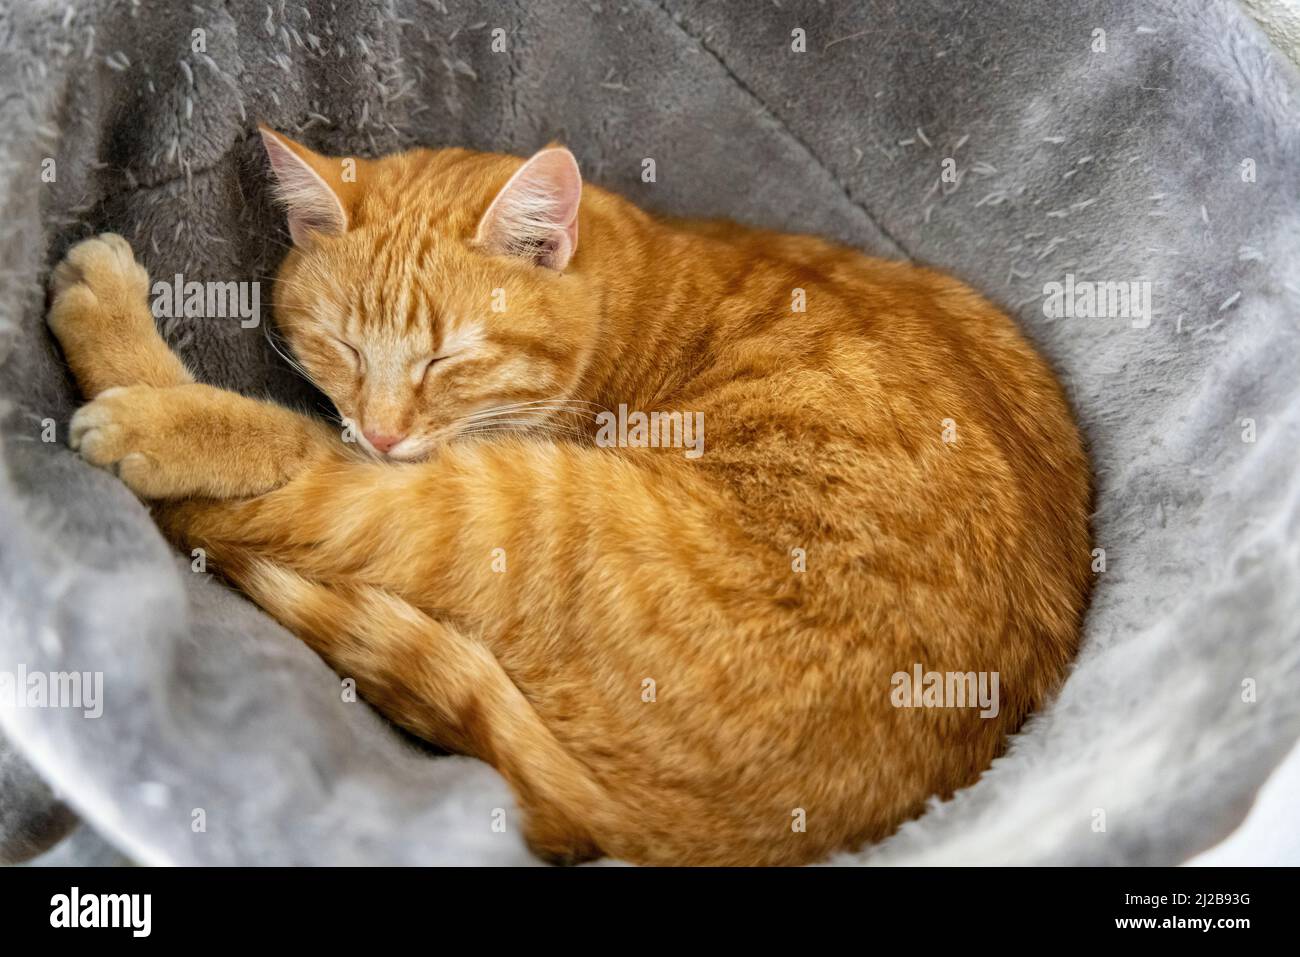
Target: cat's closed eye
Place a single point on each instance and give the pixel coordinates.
(421, 369)
(352, 352)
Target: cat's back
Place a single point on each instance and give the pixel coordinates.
(926, 380)
(894, 411)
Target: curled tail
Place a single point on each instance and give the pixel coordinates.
(431, 679)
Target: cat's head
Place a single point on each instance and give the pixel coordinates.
(428, 288)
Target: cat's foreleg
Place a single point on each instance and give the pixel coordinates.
(165, 435)
(100, 315)
(198, 440)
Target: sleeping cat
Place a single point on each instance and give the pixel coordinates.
(672, 658)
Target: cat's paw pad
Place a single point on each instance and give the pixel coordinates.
(119, 431)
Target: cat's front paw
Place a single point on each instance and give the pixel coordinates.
(100, 314)
(126, 430)
(98, 279)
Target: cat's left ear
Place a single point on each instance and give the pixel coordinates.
(314, 189)
(535, 216)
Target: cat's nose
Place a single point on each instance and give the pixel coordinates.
(380, 440)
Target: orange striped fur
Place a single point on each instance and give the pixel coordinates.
(672, 660)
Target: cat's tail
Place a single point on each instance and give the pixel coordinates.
(442, 685)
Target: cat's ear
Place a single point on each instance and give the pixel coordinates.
(535, 216)
(310, 186)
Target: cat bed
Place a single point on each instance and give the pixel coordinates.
(1035, 150)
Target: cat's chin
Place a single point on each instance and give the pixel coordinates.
(417, 451)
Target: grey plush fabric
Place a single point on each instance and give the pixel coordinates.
(31, 817)
(1117, 165)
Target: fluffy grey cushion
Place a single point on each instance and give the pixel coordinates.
(1116, 165)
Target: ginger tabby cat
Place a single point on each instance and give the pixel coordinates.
(672, 660)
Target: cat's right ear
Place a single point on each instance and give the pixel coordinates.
(535, 216)
(311, 187)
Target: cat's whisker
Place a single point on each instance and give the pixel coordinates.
(558, 405)
(289, 360)
(534, 422)
(519, 426)
(553, 398)
(498, 409)
(557, 399)
(531, 421)
(561, 400)
(542, 411)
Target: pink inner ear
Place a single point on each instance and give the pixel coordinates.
(535, 216)
(311, 206)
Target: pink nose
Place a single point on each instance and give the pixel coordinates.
(381, 441)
